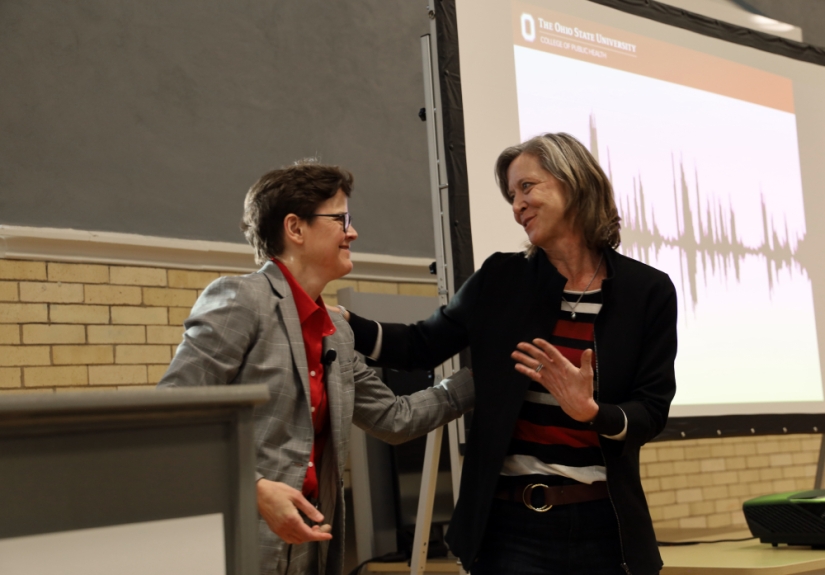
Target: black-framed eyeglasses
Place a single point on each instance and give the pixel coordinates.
(344, 217)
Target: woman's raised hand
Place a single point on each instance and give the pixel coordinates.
(571, 386)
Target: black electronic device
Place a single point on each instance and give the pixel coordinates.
(792, 518)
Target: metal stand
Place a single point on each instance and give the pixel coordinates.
(446, 289)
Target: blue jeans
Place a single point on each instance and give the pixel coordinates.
(574, 539)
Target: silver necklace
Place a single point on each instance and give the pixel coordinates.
(578, 301)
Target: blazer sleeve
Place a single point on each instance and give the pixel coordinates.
(428, 343)
(219, 331)
(396, 418)
(654, 384)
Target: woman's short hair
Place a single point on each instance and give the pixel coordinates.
(297, 189)
(589, 192)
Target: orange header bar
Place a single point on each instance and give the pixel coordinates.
(574, 37)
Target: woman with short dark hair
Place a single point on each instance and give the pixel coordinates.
(573, 348)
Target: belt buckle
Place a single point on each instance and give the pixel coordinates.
(527, 497)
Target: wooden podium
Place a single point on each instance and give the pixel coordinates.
(78, 461)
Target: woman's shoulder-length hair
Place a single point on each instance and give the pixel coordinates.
(589, 191)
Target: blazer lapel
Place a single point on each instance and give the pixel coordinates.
(292, 324)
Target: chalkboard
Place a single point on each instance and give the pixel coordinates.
(155, 117)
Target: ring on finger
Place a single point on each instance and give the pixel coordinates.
(539, 367)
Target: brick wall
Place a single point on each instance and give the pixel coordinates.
(80, 327)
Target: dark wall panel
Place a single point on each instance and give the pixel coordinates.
(155, 117)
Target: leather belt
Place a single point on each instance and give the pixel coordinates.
(554, 495)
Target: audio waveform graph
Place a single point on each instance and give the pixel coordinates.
(705, 236)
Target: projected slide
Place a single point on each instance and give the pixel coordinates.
(703, 156)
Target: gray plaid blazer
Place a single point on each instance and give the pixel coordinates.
(245, 330)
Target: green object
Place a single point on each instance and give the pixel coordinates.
(792, 518)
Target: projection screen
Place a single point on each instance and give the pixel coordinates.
(715, 151)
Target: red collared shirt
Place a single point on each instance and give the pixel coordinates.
(315, 326)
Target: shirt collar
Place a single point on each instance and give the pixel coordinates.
(305, 305)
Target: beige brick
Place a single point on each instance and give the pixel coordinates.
(739, 490)
(661, 498)
(53, 333)
(710, 465)
(9, 334)
(55, 376)
(719, 520)
(164, 334)
(417, 289)
(693, 523)
(804, 457)
(757, 461)
(660, 469)
(651, 485)
(682, 467)
(676, 511)
(703, 479)
(116, 334)
(8, 291)
(117, 374)
(329, 299)
(675, 482)
(767, 447)
(780, 459)
(22, 390)
(139, 387)
(714, 492)
(82, 354)
(793, 471)
(769, 474)
(727, 505)
(790, 444)
(137, 276)
(155, 372)
(689, 495)
(672, 454)
(51, 292)
(811, 444)
(748, 476)
(656, 513)
(169, 297)
(114, 294)
(744, 449)
(177, 315)
(22, 270)
(643, 471)
(735, 463)
(723, 450)
(698, 452)
(724, 478)
(648, 455)
(191, 279)
(85, 389)
(10, 377)
(78, 273)
(673, 524)
(139, 315)
(86, 314)
(377, 287)
(12, 355)
(760, 488)
(332, 287)
(701, 508)
(23, 312)
(143, 354)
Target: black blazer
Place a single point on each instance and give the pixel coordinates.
(511, 299)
